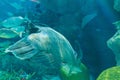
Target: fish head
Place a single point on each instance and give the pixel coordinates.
(39, 40)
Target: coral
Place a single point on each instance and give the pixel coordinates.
(117, 5)
(76, 73)
(114, 42)
(13, 75)
(110, 74)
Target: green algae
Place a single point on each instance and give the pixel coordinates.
(13, 75)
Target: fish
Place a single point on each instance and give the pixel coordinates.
(8, 33)
(16, 5)
(17, 24)
(12, 22)
(46, 48)
(36, 1)
(87, 19)
(19, 30)
(14, 26)
(22, 0)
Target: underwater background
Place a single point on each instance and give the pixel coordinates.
(86, 24)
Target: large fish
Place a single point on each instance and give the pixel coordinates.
(46, 48)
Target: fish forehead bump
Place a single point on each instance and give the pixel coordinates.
(42, 37)
(32, 36)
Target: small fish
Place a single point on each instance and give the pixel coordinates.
(7, 33)
(22, 0)
(87, 19)
(18, 24)
(13, 22)
(36, 1)
(16, 6)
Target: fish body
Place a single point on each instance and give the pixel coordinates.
(14, 26)
(7, 33)
(11, 33)
(46, 49)
(16, 6)
(13, 22)
(36, 1)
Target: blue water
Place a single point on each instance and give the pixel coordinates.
(92, 38)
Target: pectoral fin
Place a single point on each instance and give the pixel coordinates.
(22, 49)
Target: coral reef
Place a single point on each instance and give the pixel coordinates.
(117, 5)
(110, 74)
(13, 75)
